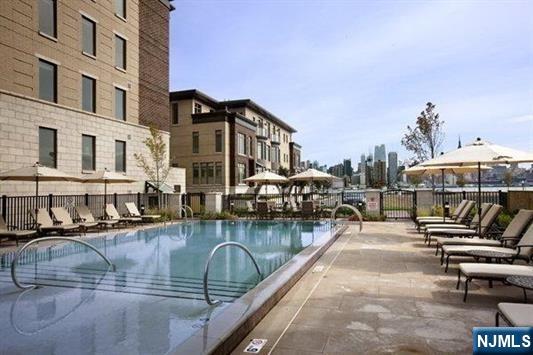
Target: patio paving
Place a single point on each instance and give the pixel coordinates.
(380, 291)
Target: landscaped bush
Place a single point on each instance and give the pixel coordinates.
(167, 214)
(504, 219)
(217, 216)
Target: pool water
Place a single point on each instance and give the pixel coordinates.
(153, 301)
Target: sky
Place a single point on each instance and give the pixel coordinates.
(352, 74)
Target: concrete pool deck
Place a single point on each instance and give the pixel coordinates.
(379, 291)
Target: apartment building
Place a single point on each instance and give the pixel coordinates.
(220, 143)
(80, 82)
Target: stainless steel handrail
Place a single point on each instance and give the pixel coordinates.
(359, 216)
(25, 246)
(206, 272)
(184, 208)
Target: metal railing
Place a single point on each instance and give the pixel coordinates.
(25, 246)
(208, 262)
(184, 209)
(355, 210)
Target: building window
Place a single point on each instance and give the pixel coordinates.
(197, 108)
(259, 151)
(195, 174)
(218, 141)
(47, 81)
(88, 152)
(88, 36)
(210, 173)
(120, 8)
(250, 145)
(120, 104)
(218, 173)
(241, 140)
(174, 113)
(195, 142)
(120, 156)
(88, 94)
(47, 17)
(120, 52)
(203, 173)
(241, 173)
(48, 147)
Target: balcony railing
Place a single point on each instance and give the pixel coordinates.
(261, 133)
(275, 139)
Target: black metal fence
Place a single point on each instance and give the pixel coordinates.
(16, 209)
(398, 204)
(454, 198)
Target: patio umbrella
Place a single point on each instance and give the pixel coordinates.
(444, 169)
(266, 178)
(37, 173)
(311, 175)
(107, 177)
(477, 153)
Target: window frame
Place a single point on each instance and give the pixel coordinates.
(54, 132)
(197, 108)
(219, 141)
(124, 3)
(218, 173)
(93, 152)
(174, 113)
(195, 173)
(124, 105)
(119, 38)
(54, 89)
(195, 142)
(241, 144)
(239, 177)
(54, 20)
(124, 152)
(93, 22)
(93, 103)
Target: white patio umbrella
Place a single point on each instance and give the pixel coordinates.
(37, 173)
(477, 153)
(107, 177)
(444, 169)
(311, 175)
(267, 177)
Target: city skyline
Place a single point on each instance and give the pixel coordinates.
(377, 70)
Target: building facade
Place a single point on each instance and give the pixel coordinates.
(220, 143)
(80, 83)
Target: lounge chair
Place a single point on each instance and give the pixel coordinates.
(463, 221)
(515, 314)
(430, 219)
(45, 224)
(461, 218)
(263, 210)
(486, 224)
(62, 216)
(514, 233)
(14, 234)
(308, 209)
(134, 212)
(490, 272)
(112, 214)
(87, 217)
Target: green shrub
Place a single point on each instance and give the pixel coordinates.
(217, 216)
(504, 219)
(167, 214)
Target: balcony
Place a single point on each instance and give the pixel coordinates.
(261, 133)
(275, 139)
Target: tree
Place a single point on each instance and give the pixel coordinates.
(425, 139)
(156, 166)
(461, 181)
(508, 177)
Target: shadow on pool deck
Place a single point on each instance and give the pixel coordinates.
(379, 292)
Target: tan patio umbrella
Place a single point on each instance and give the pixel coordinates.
(267, 177)
(37, 173)
(311, 175)
(107, 177)
(444, 169)
(477, 153)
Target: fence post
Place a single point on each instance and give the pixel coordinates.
(139, 199)
(115, 200)
(342, 197)
(50, 198)
(87, 199)
(4, 206)
(464, 195)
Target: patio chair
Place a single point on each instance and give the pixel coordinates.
(462, 220)
(308, 210)
(453, 218)
(263, 210)
(112, 214)
(515, 314)
(14, 234)
(514, 233)
(62, 216)
(134, 212)
(250, 210)
(45, 224)
(487, 221)
(490, 272)
(86, 216)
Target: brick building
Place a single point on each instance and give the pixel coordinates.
(80, 83)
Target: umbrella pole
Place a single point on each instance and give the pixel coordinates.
(36, 194)
(443, 214)
(105, 193)
(479, 197)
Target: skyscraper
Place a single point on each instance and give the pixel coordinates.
(380, 153)
(393, 168)
(348, 170)
(362, 170)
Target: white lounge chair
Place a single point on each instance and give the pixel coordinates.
(515, 314)
(112, 214)
(45, 224)
(134, 212)
(61, 215)
(86, 216)
(14, 234)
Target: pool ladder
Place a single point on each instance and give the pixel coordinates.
(184, 209)
(208, 299)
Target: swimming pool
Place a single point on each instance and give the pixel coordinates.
(154, 300)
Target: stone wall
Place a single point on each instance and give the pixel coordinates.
(20, 119)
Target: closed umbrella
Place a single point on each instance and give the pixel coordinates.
(107, 177)
(444, 169)
(37, 173)
(477, 153)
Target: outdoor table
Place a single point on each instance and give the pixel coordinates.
(524, 282)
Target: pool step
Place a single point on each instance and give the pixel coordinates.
(188, 288)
